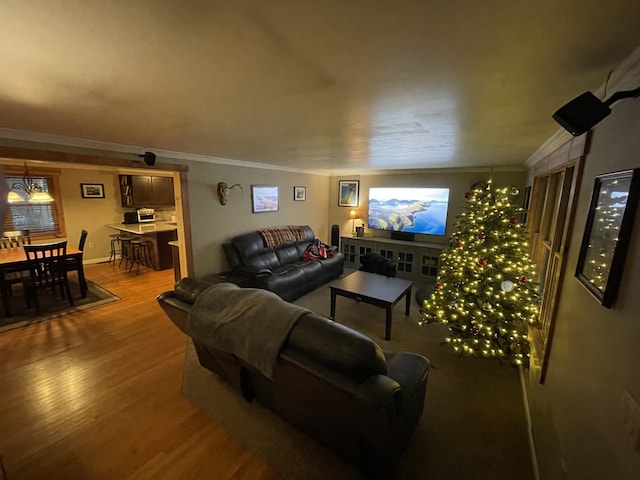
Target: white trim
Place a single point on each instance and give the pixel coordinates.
(237, 163)
(96, 260)
(41, 139)
(551, 145)
(486, 169)
(527, 414)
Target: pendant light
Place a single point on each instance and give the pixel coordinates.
(28, 191)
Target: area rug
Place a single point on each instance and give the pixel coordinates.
(52, 306)
(473, 425)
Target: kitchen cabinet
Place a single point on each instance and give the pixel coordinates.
(162, 190)
(146, 190)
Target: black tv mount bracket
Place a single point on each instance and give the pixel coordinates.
(585, 111)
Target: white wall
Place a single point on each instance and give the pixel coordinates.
(91, 214)
(213, 224)
(578, 412)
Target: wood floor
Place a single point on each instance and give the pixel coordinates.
(96, 395)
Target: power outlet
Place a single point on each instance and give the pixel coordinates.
(631, 419)
(92, 244)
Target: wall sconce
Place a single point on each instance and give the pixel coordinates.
(223, 191)
(353, 215)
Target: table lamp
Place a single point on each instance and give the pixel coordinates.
(353, 215)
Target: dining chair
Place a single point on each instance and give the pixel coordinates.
(15, 238)
(12, 275)
(47, 271)
(74, 264)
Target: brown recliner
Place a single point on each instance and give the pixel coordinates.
(332, 382)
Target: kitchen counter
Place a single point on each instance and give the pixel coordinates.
(159, 233)
(144, 228)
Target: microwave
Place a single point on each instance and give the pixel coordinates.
(146, 215)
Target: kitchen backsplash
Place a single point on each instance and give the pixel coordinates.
(165, 214)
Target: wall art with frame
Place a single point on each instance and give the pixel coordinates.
(264, 198)
(92, 190)
(299, 194)
(614, 202)
(348, 193)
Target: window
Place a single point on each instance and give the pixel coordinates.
(44, 220)
(549, 223)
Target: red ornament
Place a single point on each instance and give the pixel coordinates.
(522, 280)
(474, 330)
(513, 221)
(460, 245)
(437, 286)
(482, 237)
(467, 195)
(482, 262)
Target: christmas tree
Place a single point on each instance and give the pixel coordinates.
(483, 291)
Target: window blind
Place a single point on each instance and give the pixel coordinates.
(41, 219)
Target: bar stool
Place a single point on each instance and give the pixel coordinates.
(126, 253)
(116, 248)
(140, 254)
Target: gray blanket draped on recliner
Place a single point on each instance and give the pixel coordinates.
(250, 323)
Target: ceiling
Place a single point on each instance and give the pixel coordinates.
(338, 85)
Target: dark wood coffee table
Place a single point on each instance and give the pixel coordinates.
(373, 289)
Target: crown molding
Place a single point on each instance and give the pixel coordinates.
(414, 171)
(47, 141)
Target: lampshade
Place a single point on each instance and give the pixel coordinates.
(40, 197)
(13, 197)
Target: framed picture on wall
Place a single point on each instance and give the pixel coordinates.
(264, 198)
(607, 233)
(348, 193)
(92, 190)
(299, 194)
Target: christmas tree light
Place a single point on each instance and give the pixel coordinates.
(605, 231)
(484, 291)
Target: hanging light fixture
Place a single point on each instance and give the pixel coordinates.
(29, 190)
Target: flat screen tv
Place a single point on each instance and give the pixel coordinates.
(408, 209)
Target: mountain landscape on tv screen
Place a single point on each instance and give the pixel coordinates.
(419, 214)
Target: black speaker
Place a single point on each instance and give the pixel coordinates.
(149, 158)
(408, 236)
(581, 113)
(335, 236)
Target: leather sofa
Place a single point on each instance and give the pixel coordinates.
(332, 382)
(278, 265)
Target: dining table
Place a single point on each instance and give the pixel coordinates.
(15, 258)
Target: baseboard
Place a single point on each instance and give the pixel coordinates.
(527, 414)
(96, 260)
